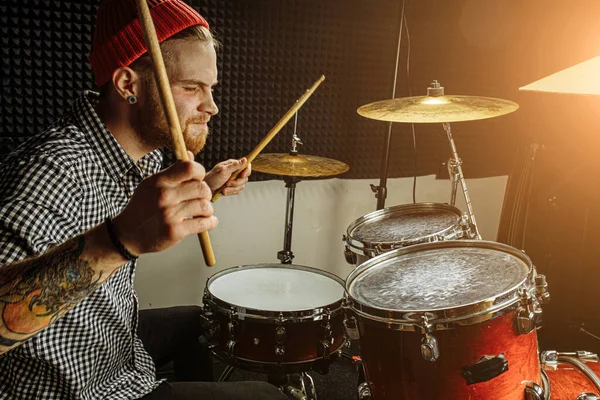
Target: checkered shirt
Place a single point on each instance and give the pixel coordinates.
(55, 186)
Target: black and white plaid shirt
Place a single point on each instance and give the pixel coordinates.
(55, 186)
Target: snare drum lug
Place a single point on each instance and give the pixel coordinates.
(280, 350)
(327, 334)
(429, 348)
(231, 329)
(325, 346)
(280, 319)
(280, 334)
(533, 391)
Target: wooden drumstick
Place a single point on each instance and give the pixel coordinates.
(168, 104)
(273, 132)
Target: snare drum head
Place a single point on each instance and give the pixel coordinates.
(399, 223)
(438, 276)
(276, 287)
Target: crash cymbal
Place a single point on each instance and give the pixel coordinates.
(298, 165)
(437, 109)
(582, 78)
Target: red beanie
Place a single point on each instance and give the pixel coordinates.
(118, 36)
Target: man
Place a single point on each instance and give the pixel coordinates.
(80, 202)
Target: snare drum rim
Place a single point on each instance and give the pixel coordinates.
(242, 312)
(445, 318)
(373, 248)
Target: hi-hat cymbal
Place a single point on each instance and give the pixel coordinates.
(437, 109)
(298, 165)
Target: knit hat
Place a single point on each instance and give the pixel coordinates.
(118, 36)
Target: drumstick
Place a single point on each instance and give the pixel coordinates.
(168, 104)
(273, 132)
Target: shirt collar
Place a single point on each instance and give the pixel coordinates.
(113, 157)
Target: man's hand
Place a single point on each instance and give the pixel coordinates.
(221, 175)
(165, 208)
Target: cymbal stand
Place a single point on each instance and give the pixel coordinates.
(381, 190)
(286, 255)
(456, 175)
(454, 180)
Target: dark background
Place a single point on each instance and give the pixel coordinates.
(275, 49)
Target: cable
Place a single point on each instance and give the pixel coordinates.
(412, 125)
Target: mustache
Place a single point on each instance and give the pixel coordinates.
(198, 120)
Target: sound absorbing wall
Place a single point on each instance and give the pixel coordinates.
(273, 51)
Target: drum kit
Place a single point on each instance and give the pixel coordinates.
(437, 312)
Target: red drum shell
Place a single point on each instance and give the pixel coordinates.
(396, 369)
(567, 381)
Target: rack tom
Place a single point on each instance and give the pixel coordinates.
(275, 318)
(401, 226)
(452, 320)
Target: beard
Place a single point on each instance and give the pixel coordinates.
(151, 128)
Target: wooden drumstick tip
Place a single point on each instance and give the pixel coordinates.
(207, 251)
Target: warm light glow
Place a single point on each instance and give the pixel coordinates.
(582, 78)
(434, 100)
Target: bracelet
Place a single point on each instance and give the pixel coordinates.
(112, 234)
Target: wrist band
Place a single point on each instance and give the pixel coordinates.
(112, 234)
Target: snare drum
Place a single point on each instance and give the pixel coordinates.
(448, 320)
(275, 318)
(404, 225)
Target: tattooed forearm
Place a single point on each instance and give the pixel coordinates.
(36, 292)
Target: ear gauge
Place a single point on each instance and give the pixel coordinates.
(132, 99)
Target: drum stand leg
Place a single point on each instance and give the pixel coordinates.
(456, 172)
(308, 386)
(303, 389)
(226, 373)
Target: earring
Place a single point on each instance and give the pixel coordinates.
(132, 99)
